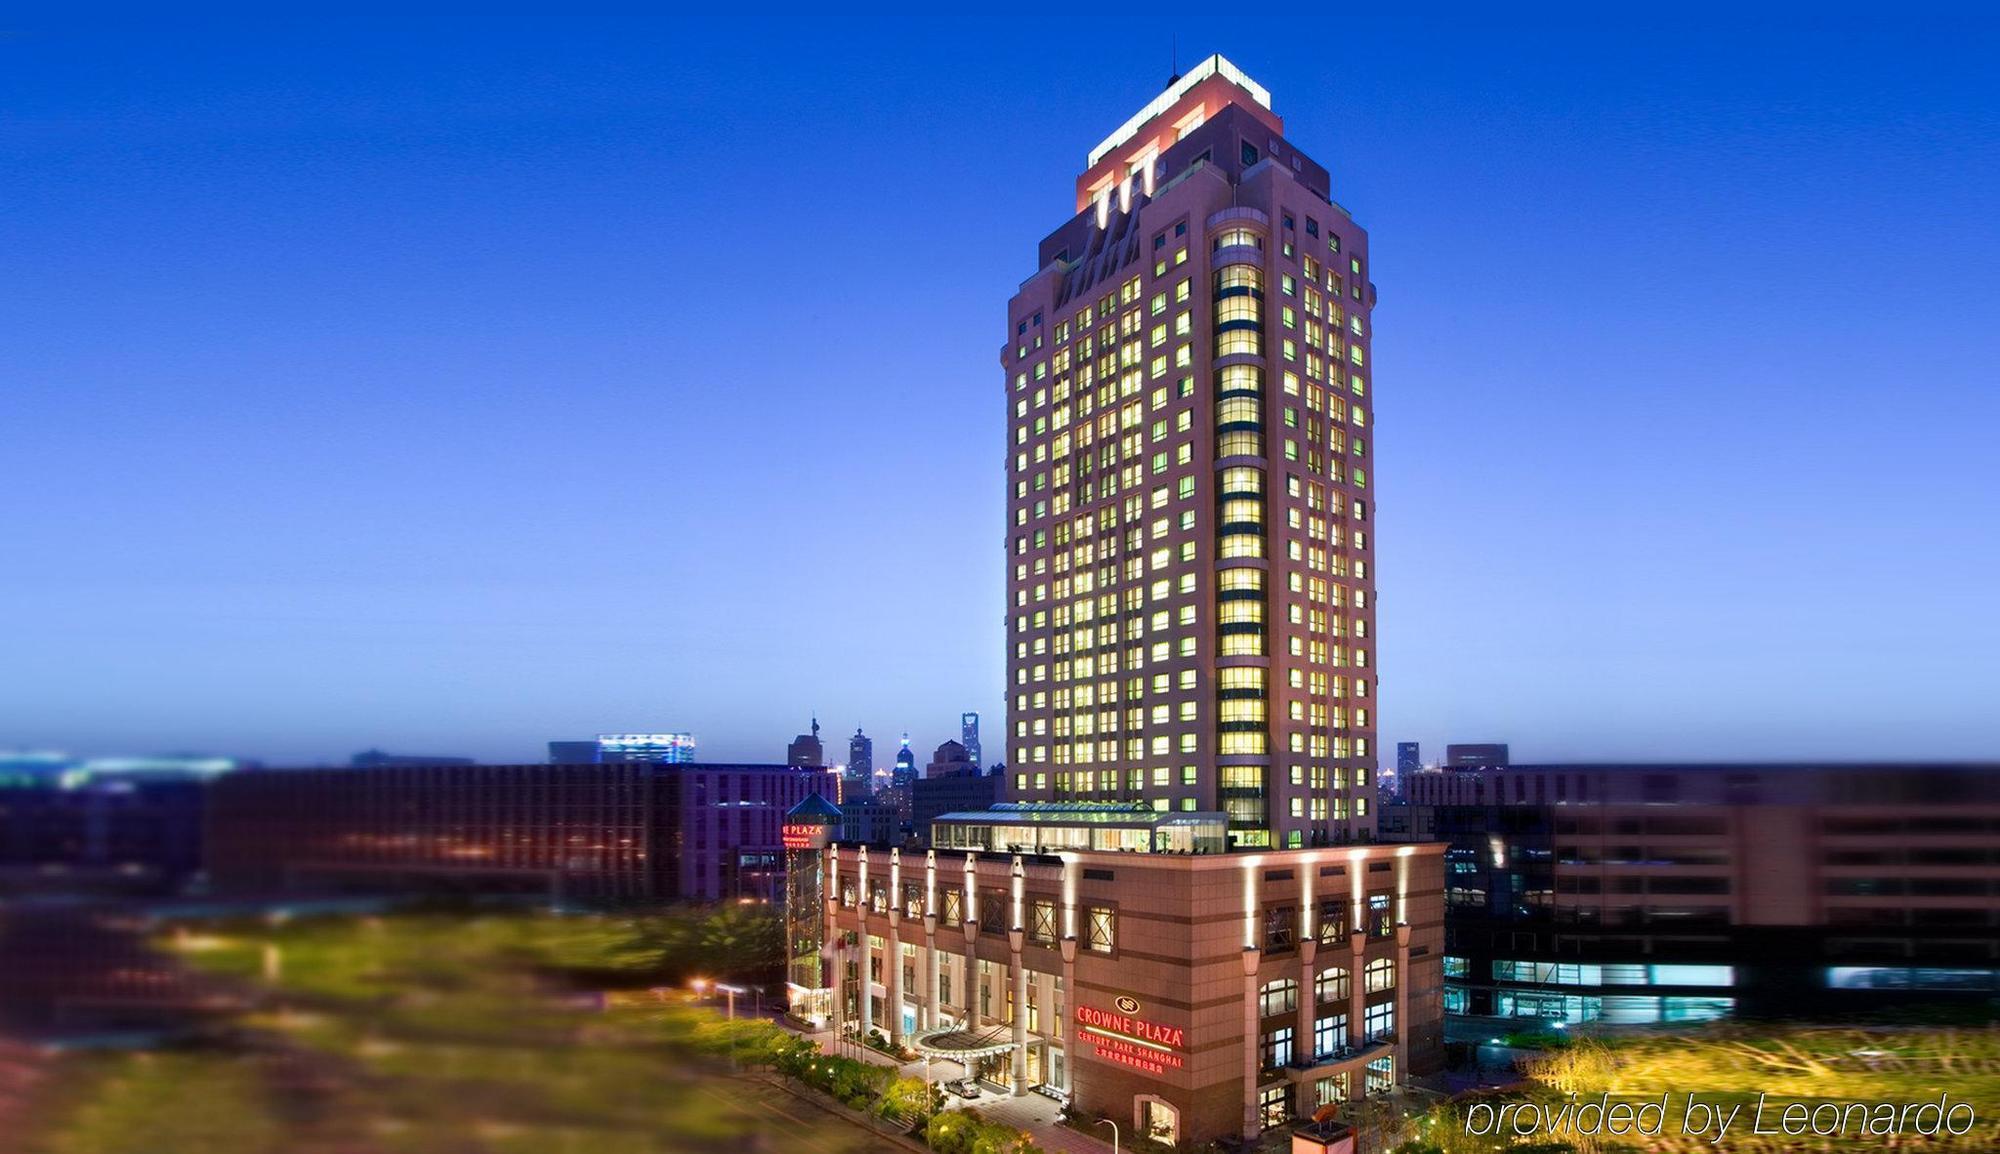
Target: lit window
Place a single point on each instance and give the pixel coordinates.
(1101, 929)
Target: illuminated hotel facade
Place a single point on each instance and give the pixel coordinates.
(1190, 543)
(1120, 960)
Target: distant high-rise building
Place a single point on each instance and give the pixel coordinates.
(860, 778)
(968, 736)
(656, 748)
(1189, 398)
(1475, 755)
(806, 749)
(906, 765)
(376, 759)
(573, 752)
(623, 749)
(951, 759)
(957, 792)
(870, 821)
(1409, 760)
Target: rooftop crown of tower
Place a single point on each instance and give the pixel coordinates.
(1186, 105)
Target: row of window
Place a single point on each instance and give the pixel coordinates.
(1117, 314)
(1086, 579)
(1330, 987)
(1336, 747)
(1133, 659)
(1612, 974)
(1098, 923)
(1275, 1048)
(1240, 709)
(1121, 434)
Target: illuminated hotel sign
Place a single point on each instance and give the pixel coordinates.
(799, 836)
(1131, 1041)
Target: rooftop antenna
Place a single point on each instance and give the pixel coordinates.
(1173, 58)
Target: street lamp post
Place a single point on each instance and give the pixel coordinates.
(730, 992)
(1114, 1132)
(929, 1100)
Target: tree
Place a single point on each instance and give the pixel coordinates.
(741, 942)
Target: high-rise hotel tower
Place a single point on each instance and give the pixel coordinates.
(1190, 542)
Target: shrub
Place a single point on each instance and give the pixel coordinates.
(965, 1132)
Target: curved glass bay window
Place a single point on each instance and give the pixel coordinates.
(1240, 624)
(1231, 546)
(1240, 508)
(1235, 236)
(1242, 514)
(1240, 699)
(1239, 306)
(1239, 413)
(1247, 412)
(1240, 788)
(1240, 444)
(1239, 381)
(1250, 742)
(1242, 640)
(1237, 342)
(1242, 707)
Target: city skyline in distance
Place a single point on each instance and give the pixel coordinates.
(324, 526)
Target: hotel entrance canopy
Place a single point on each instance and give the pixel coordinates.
(958, 1044)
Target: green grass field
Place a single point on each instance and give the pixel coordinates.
(428, 1034)
(1731, 1065)
(434, 1034)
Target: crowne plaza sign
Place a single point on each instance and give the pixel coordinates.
(1130, 1027)
(1126, 1038)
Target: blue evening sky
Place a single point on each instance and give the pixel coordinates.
(452, 382)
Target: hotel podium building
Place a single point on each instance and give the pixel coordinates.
(1190, 543)
(1122, 960)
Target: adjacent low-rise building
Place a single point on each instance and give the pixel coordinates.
(1663, 893)
(129, 825)
(1475, 755)
(622, 832)
(137, 835)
